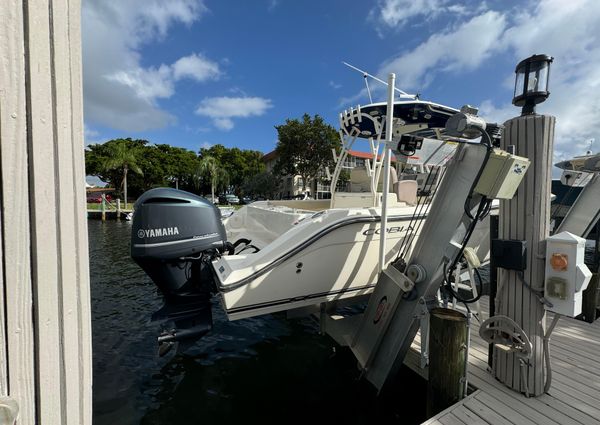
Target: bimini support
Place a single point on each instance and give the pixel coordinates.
(389, 121)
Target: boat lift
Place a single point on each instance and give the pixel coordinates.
(406, 289)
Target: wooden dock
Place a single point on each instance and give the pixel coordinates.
(574, 398)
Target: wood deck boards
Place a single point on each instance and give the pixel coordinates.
(574, 398)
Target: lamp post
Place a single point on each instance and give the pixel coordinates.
(531, 82)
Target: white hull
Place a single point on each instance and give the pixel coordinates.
(327, 256)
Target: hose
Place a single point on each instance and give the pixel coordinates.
(547, 352)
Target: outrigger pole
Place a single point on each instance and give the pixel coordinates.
(366, 74)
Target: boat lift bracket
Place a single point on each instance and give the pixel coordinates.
(445, 224)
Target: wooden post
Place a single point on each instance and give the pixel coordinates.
(591, 296)
(494, 222)
(103, 206)
(118, 208)
(45, 337)
(590, 300)
(447, 357)
(526, 217)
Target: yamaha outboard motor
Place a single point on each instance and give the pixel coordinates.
(175, 236)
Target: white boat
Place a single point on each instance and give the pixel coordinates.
(284, 255)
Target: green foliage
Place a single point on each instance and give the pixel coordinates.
(263, 184)
(239, 165)
(162, 165)
(152, 165)
(304, 147)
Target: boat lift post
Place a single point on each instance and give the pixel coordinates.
(389, 121)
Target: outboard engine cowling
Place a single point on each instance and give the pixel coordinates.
(174, 238)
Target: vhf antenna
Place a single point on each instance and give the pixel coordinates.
(366, 74)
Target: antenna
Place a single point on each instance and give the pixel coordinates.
(366, 74)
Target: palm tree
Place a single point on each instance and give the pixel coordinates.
(209, 167)
(124, 157)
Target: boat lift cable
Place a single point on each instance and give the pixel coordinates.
(546, 344)
(419, 224)
(408, 239)
(416, 213)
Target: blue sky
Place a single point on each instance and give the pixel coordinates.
(195, 73)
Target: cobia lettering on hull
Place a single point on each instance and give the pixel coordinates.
(396, 229)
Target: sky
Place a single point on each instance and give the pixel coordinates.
(195, 73)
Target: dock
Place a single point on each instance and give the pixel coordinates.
(574, 398)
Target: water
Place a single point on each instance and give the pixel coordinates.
(265, 369)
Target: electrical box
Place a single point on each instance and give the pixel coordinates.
(509, 254)
(502, 175)
(567, 276)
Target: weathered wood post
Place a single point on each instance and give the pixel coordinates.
(45, 337)
(526, 218)
(447, 357)
(118, 208)
(103, 206)
(591, 294)
(494, 224)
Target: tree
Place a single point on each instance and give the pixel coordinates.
(240, 164)
(208, 167)
(304, 147)
(122, 157)
(265, 184)
(162, 165)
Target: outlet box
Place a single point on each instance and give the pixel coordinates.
(566, 275)
(502, 175)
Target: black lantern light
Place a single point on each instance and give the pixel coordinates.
(531, 82)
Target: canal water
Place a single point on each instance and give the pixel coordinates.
(260, 370)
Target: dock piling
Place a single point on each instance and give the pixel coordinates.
(103, 207)
(525, 217)
(447, 357)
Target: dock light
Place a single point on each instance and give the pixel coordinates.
(531, 82)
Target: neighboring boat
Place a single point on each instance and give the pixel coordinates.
(280, 255)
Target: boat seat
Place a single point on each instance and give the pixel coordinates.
(360, 181)
(406, 191)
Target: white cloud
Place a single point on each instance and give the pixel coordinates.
(148, 84)
(89, 135)
(395, 13)
(223, 109)
(206, 145)
(573, 38)
(196, 67)
(566, 30)
(458, 49)
(334, 85)
(118, 91)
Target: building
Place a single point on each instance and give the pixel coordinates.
(320, 189)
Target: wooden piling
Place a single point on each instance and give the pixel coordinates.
(45, 337)
(447, 357)
(494, 223)
(103, 207)
(590, 300)
(526, 217)
(591, 296)
(118, 208)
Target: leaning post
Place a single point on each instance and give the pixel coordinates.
(526, 217)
